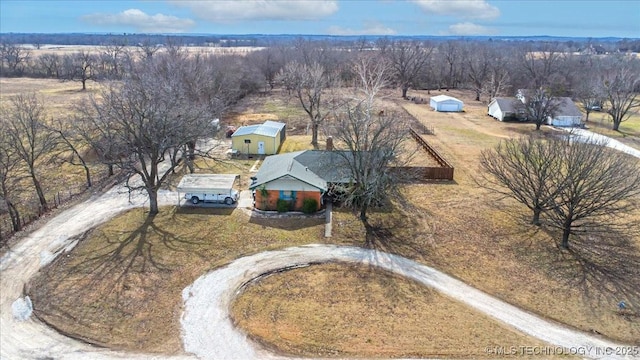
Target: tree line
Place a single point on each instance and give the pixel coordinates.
(161, 105)
(157, 101)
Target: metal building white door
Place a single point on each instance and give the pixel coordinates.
(261, 147)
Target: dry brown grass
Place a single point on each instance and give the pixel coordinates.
(371, 314)
(278, 105)
(57, 178)
(121, 286)
(456, 227)
(487, 244)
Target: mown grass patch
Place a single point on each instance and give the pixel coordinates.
(370, 313)
(299, 142)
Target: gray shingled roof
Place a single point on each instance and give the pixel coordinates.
(278, 166)
(329, 165)
(314, 167)
(567, 107)
(506, 104)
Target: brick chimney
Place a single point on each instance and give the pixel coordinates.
(330, 143)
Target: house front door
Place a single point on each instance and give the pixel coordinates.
(261, 147)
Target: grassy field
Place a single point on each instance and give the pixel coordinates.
(133, 302)
(372, 314)
(58, 178)
(121, 287)
(628, 133)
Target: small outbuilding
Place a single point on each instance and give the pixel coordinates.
(444, 103)
(507, 109)
(567, 113)
(261, 139)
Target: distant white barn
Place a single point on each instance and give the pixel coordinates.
(445, 103)
(506, 109)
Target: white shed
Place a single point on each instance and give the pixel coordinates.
(445, 103)
(506, 108)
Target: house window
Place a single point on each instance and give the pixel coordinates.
(287, 195)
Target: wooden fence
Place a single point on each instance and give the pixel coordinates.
(443, 172)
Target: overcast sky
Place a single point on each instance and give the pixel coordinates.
(579, 18)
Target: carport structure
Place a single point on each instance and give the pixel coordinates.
(208, 187)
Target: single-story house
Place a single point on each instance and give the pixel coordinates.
(261, 139)
(507, 109)
(297, 176)
(445, 103)
(567, 113)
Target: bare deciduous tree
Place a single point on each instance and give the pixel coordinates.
(478, 63)
(310, 84)
(79, 67)
(373, 140)
(29, 137)
(15, 57)
(112, 56)
(539, 65)
(523, 169)
(600, 186)
(539, 105)
(452, 54)
(147, 48)
(408, 59)
(50, 64)
(373, 143)
(498, 77)
(8, 179)
(619, 86)
(590, 96)
(577, 187)
(67, 130)
(150, 117)
(269, 61)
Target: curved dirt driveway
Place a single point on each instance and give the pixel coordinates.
(208, 332)
(30, 339)
(207, 329)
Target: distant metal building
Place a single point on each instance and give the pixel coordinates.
(262, 139)
(446, 103)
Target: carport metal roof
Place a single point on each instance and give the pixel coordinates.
(269, 128)
(200, 182)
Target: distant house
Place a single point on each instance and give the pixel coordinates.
(507, 109)
(262, 139)
(567, 114)
(446, 103)
(297, 176)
